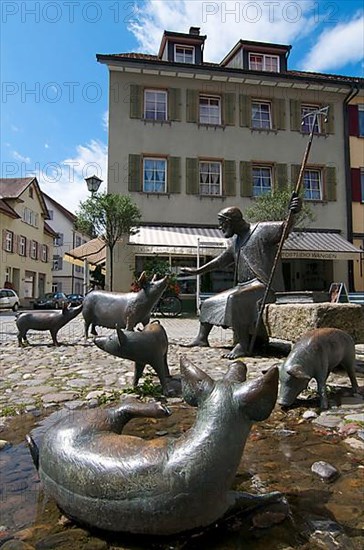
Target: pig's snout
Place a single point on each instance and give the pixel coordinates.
(100, 342)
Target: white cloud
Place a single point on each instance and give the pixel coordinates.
(14, 128)
(229, 21)
(337, 46)
(20, 158)
(105, 121)
(46, 146)
(65, 181)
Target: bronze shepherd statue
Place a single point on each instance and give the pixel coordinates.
(252, 248)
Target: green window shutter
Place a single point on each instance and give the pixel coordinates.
(245, 110)
(279, 114)
(229, 178)
(295, 115)
(228, 103)
(295, 172)
(174, 104)
(192, 177)
(135, 182)
(174, 175)
(329, 126)
(281, 177)
(192, 106)
(330, 182)
(246, 179)
(136, 101)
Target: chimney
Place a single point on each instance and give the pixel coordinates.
(195, 31)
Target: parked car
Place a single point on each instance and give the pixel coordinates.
(75, 299)
(9, 299)
(51, 300)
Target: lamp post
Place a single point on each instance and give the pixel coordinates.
(93, 184)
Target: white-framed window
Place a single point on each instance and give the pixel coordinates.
(22, 246)
(44, 256)
(210, 177)
(9, 241)
(312, 185)
(51, 213)
(155, 105)
(30, 217)
(264, 62)
(154, 175)
(7, 274)
(262, 180)
(310, 119)
(33, 249)
(210, 109)
(78, 241)
(361, 119)
(184, 54)
(261, 114)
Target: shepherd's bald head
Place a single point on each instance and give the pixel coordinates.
(232, 214)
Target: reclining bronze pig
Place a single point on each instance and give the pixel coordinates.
(315, 355)
(146, 347)
(52, 320)
(125, 309)
(105, 479)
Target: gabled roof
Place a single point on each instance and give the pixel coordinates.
(258, 46)
(12, 188)
(49, 230)
(62, 209)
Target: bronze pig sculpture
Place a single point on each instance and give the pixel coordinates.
(147, 346)
(116, 482)
(52, 320)
(126, 309)
(315, 355)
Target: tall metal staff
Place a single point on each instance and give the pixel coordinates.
(323, 111)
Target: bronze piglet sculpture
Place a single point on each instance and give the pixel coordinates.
(125, 309)
(147, 346)
(52, 320)
(105, 479)
(315, 355)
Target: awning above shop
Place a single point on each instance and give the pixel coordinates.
(177, 240)
(93, 251)
(319, 246)
(185, 240)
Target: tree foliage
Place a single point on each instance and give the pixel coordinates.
(108, 217)
(274, 207)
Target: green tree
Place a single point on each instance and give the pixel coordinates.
(108, 217)
(274, 207)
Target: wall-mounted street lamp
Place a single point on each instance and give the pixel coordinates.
(93, 184)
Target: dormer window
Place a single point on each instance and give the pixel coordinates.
(263, 62)
(184, 54)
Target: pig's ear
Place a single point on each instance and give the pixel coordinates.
(142, 281)
(237, 372)
(297, 372)
(265, 370)
(258, 397)
(121, 335)
(196, 384)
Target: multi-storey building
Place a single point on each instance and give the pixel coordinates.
(27, 239)
(356, 152)
(67, 277)
(188, 138)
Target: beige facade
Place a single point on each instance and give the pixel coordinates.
(27, 241)
(254, 132)
(356, 152)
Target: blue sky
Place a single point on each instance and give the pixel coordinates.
(55, 95)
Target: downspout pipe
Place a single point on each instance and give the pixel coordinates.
(349, 202)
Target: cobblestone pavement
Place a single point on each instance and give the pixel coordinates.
(78, 374)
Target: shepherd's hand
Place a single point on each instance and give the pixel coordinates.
(295, 204)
